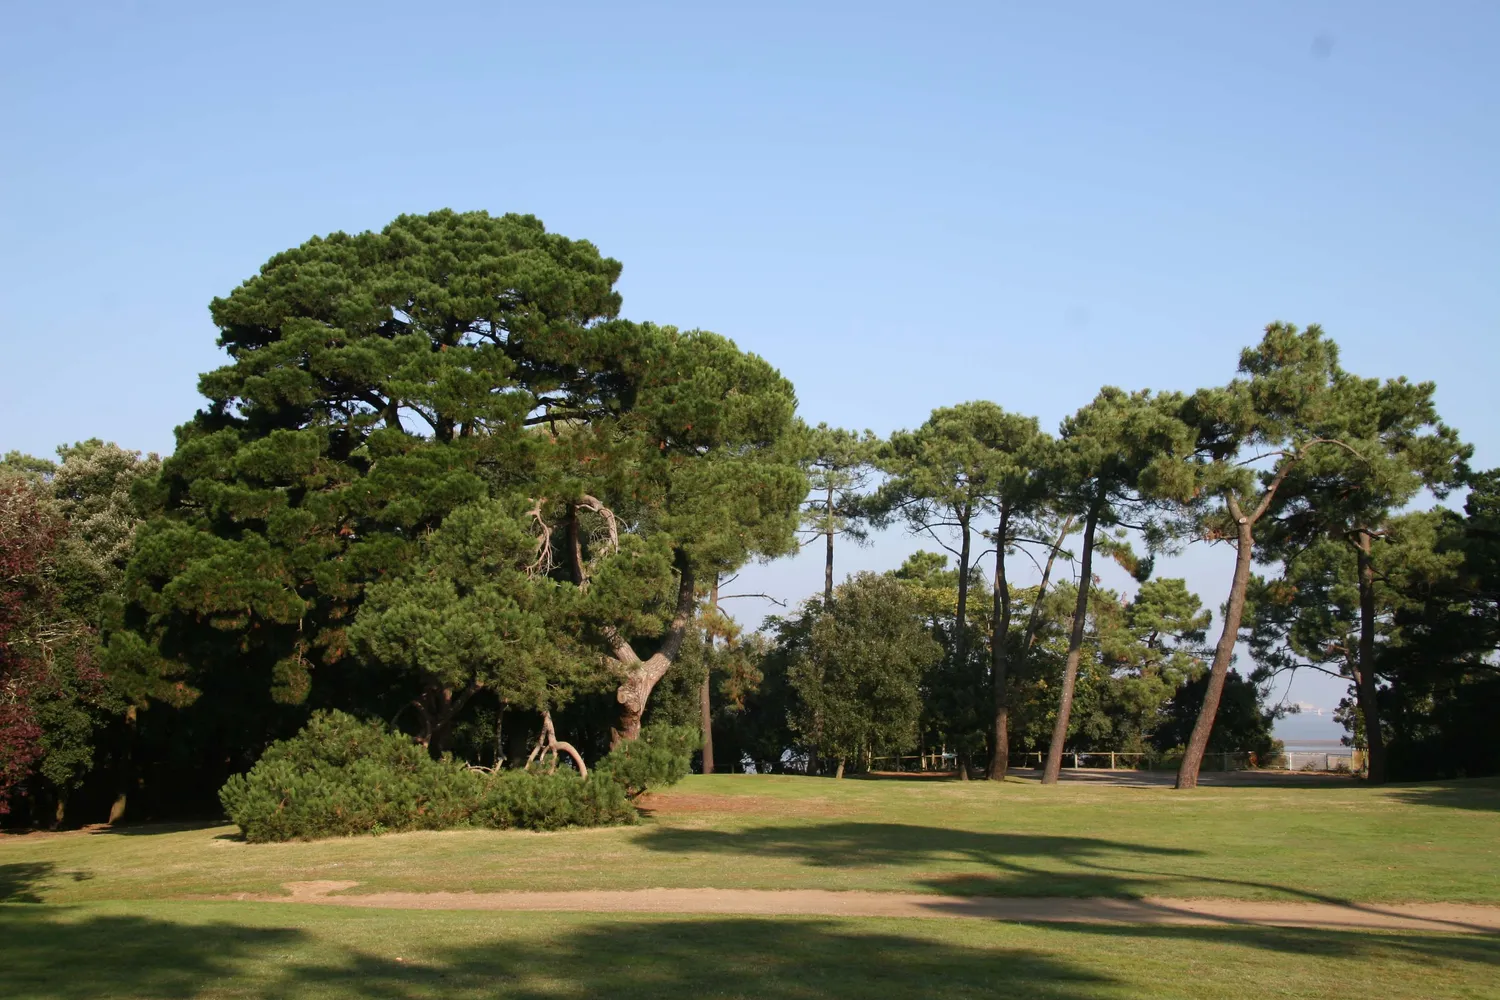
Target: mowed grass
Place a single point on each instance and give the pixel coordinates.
(1432, 842)
(222, 950)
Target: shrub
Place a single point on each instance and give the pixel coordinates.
(340, 776)
(530, 800)
(660, 756)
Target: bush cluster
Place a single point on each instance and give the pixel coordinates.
(660, 756)
(340, 777)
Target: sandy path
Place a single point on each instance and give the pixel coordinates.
(1447, 917)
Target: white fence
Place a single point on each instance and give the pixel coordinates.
(1347, 762)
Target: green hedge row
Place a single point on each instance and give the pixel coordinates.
(340, 777)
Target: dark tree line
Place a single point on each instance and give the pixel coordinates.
(442, 483)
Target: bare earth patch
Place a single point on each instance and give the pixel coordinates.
(1443, 917)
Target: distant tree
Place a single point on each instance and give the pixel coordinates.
(1244, 723)
(89, 499)
(1278, 410)
(840, 466)
(28, 534)
(1152, 650)
(1017, 498)
(857, 668)
(955, 696)
(1394, 447)
(1443, 692)
(945, 475)
(1119, 453)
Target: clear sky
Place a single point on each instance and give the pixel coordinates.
(901, 206)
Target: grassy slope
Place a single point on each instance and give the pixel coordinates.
(216, 950)
(1430, 842)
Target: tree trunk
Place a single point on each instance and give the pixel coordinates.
(126, 775)
(1000, 655)
(1364, 673)
(828, 561)
(705, 701)
(1053, 770)
(706, 715)
(438, 708)
(1192, 760)
(961, 633)
(641, 675)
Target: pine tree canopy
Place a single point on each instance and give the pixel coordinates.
(456, 362)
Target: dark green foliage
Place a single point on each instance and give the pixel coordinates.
(537, 800)
(856, 664)
(661, 756)
(342, 777)
(1243, 723)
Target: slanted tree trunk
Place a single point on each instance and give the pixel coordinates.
(641, 676)
(1053, 769)
(1234, 612)
(828, 560)
(126, 776)
(1000, 655)
(1364, 669)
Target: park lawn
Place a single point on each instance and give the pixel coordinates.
(228, 949)
(1431, 842)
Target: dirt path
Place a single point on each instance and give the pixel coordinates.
(1446, 917)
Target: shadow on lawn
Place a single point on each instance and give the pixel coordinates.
(1477, 793)
(1004, 864)
(61, 957)
(155, 828)
(24, 882)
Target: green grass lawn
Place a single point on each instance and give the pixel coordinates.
(221, 950)
(1437, 842)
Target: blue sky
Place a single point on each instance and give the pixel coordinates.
(901, 206)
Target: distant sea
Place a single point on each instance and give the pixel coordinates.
(1306, 731)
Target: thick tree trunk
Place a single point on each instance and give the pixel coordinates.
(1000, 656)
(641, 675)
(1234, 613)
(1364, 673)
(126, 776)
(828, 560)
(1053, 769)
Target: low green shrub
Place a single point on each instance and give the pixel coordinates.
(660, 756)
(532, 800)
(340, 777)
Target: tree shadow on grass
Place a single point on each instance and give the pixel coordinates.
(25, 881)
(155, 829)
(1008, 864)
(51, 954)
(62, 955)
(1478, 793)
(985, 864)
